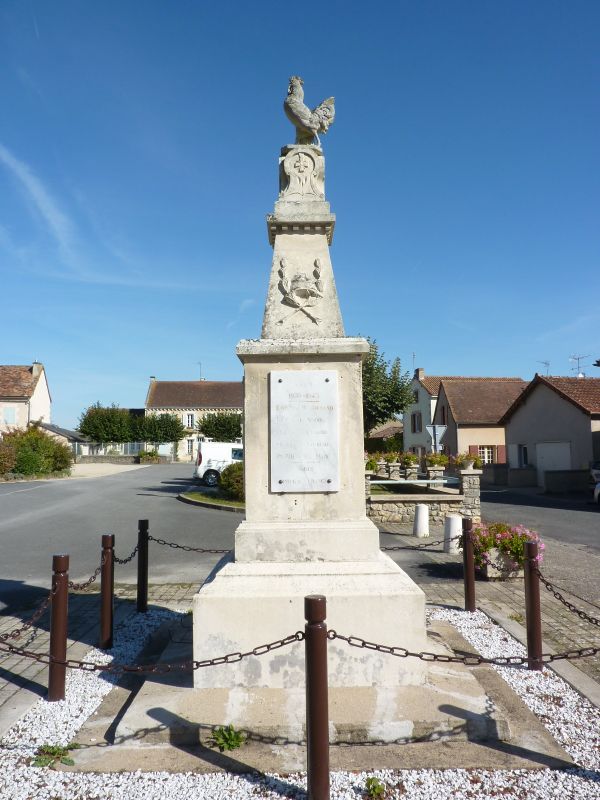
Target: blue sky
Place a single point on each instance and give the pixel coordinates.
(138, 158)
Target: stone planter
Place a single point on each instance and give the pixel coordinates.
(491, 573)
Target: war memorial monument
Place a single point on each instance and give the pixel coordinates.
(306, 530)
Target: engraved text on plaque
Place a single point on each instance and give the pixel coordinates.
(304, 431)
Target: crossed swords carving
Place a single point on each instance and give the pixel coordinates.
(284, 284)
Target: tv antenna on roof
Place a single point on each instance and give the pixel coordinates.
(577, 369)
(547, 365)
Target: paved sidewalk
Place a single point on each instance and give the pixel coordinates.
(440, 575)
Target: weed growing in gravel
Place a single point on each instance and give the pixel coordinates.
(374, 788)
(225, 737)
(48, 755)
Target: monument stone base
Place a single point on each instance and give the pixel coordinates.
(245, 604)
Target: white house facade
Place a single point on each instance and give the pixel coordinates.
(24, 396)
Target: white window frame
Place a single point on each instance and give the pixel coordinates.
(190, 447)
(486, 453)
(190, 420)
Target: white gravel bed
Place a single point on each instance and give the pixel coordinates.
(572, 721)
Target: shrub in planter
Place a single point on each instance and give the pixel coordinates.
(408, 459)
(149, 457)
(461, 460)
(371, 464)
(436, 459)
(509, 540)
(232, 480)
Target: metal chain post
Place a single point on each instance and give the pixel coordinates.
(58, 627)
(317, 712)
(468, 565)
(533, 612)
(107, 588)
(142, 565)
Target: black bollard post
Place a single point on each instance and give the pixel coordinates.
(142, 564)
(107, 586)
(468, 565)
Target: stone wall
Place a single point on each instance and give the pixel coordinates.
(116, 460)
(401, 507)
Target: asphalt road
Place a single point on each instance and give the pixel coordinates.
(41, 518)
(570, 520)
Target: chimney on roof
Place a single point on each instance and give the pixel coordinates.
(152, 377)
(419, 373)
(36, 369)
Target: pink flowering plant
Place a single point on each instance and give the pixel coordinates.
(508, 539)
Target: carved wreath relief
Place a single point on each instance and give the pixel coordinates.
(300, 291)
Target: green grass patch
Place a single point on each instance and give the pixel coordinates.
(213, 496)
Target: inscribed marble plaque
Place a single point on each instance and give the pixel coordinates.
(304, 431)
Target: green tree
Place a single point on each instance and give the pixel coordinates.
(171, 428)
(222, 426)
(106, 425)
(386, 389)
(34, 452)
(159, 428)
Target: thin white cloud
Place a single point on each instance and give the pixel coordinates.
(247, 303)
(74, 263)
(574, 326)
(58, 223)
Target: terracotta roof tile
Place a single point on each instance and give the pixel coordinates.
(390, 429)
(432, 383)
(17, 381)
(582, 392)
(481, 400)
(195, 394)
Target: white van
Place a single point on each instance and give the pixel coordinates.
(213, 457)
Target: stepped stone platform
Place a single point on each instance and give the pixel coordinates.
(460, 717)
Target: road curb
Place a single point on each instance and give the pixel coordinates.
(578, 680)
(203, 504)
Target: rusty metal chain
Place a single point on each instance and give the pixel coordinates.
(419, 546)
(581, 614)
(129, 557)
(159, 668)
(186, 547)
(469, 661)
(77, 587)
(17, 632)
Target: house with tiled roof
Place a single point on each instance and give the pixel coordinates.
(191, 401)
(554, 427)
(472, 409)
(24, 396)
(419, 413)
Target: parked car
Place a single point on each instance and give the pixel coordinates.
(597, 494)
(595, 472)
(213, 457)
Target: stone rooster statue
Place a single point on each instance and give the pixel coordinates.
(308, 123)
